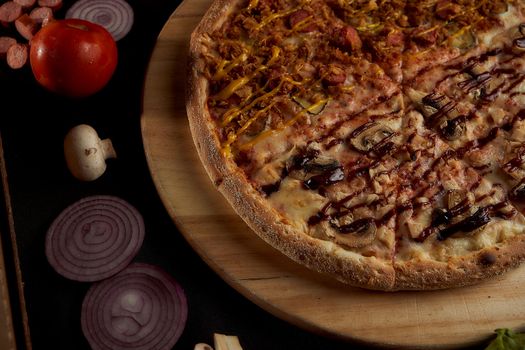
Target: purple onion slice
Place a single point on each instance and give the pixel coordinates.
(114, 15)
(140, 308)
(94, 238)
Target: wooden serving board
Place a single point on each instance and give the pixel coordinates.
(439, 319)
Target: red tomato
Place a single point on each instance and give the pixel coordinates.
(73, 57)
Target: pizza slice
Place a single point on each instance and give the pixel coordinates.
(275, 112)
(454, 225)
(469, 231)
(331, 194)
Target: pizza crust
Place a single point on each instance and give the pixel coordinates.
(460, 271)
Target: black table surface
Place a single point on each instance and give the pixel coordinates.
(33, 123)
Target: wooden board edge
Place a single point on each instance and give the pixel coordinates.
(17, 319)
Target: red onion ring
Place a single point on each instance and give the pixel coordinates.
(140, 308)
(114, 15)
(94, 238)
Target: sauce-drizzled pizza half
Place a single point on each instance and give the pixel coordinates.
(379, 141)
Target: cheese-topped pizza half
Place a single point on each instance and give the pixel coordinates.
(379, 141)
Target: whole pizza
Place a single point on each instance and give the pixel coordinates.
(379, 141)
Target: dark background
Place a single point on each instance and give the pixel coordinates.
(33, 124)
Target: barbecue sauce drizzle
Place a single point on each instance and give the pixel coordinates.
(441, 222)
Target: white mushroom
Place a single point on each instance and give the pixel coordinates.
(86, 153)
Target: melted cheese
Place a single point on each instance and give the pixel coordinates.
(493, 234)
(296, 203)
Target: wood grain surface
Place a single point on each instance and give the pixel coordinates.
(439, 319)
(7, 332)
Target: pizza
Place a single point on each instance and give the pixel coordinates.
(381, 142)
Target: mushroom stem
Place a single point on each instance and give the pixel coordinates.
(107, 148)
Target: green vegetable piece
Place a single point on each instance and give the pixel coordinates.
(506, 339)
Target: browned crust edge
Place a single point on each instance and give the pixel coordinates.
(460, 271)
(325, 257)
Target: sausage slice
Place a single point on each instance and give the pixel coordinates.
(26, 3)
(10, 11)
(5, 43)
(42, 15)
(17, 56)
(53, 4)
(26, 26)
